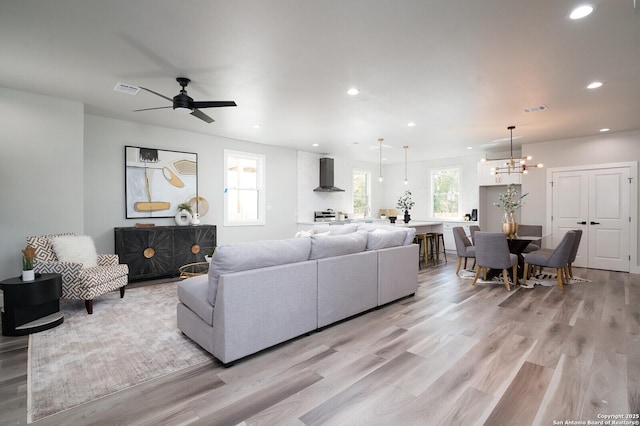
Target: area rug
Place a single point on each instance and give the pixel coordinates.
(545, 280)
(124, 343)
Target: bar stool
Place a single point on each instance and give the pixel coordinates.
(436, 238)
(425, 241)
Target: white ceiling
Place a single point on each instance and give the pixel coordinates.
(462, 70)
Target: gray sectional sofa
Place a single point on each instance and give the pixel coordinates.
(262, 293)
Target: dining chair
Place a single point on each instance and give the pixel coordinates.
(552, 258)
(472, 230)
(531, 231)
(464, 248)
(492, 251)
(574, 252)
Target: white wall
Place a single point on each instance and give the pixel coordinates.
(419, 177)
(64, 171)
(604, 148)
(600, 149)
(41, 181)
(309, 178)
(104, 194)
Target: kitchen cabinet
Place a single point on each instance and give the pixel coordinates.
(447, 230)
(485, 178)
(159, 251)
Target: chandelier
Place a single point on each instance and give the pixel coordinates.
(513, 166)
(380, 178)
(406, 179)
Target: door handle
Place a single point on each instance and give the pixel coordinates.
(584, 222)
(594, 223)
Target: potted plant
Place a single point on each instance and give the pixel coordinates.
(28, 254)
(406, 203)
(209, 256)
(509, 202)
(183, 216)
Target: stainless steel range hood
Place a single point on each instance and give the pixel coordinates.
(326, 177)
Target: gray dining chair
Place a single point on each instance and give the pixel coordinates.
(574, 252)
(531, 231)
(492, 251)
(552, 258)
(464, 248)
(472, 230)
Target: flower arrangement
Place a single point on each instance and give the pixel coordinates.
(510, 201)
(28, 254)
(405, 202)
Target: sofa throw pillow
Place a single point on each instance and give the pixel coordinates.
(253, 255)
(337, 245)
(75, 249)
(304, 234)
(382, 238)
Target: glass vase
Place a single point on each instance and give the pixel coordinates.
(509, 225)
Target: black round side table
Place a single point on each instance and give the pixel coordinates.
(31, 306)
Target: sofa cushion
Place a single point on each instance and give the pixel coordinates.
(383, 238)
(98, 275)
(337, 245)
(410, 232)
(343, 229)
(75, 249)
(192, 292)
(253, 255)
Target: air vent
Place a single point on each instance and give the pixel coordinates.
(126, 88)
(536, 108)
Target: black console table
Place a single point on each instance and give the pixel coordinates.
(160, 251)
(31, 306)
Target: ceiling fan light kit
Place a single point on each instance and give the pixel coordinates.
(512, 166)
(183, 103)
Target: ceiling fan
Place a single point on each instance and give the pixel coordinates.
(185, 103)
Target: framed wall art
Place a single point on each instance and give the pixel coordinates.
(157, 181)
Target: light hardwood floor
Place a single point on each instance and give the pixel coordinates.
(452, 355)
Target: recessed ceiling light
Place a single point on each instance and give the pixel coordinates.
(411, 124)
(594, 85)
(581, 11)
(315, 144)
(469, 147)
(256, 126)
(605, 130)
(353, 91)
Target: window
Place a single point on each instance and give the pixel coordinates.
(244, 198)
(361, 194)
(445, 184)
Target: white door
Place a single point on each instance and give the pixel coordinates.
(596, 201)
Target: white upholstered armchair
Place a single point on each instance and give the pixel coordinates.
(85, 274)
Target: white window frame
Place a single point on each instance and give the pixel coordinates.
(260, 187)
(431, 173)
(368, 191)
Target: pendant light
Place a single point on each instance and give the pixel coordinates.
(380, 178)
(511, 166)
(406, 179)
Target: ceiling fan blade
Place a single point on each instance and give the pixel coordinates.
(202, 116)
(149, 109)
(214, 104)
(156, 93)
